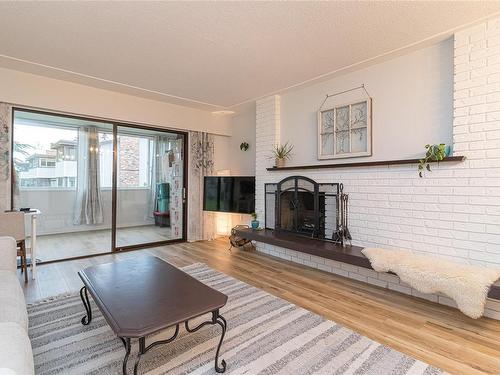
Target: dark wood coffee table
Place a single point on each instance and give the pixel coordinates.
(146, 295)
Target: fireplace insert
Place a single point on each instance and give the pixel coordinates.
(300, 205)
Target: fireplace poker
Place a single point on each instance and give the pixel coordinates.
(346, 225)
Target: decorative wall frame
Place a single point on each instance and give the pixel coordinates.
(345, 130)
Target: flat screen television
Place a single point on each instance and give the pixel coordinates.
(229, 194)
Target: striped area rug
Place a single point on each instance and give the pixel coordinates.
(266, 335)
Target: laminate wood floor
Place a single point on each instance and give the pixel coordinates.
(433, 333)
(75, 244)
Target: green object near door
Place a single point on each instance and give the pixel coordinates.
(163, 197)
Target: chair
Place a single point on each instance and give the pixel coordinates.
(12, 225)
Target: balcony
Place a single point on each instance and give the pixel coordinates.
(59, 238)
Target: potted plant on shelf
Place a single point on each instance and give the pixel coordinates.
(254, 222)
(433, 153)
(282, 153)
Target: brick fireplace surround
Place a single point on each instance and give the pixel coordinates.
(453, 212)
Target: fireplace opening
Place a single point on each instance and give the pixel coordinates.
(298, 213)
(300, 205)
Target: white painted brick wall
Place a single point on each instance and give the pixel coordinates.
(267, 136)
(452, 212)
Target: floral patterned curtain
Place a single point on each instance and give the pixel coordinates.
(5, 155)
(201, 225)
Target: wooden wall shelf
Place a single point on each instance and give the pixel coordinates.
(455, 159)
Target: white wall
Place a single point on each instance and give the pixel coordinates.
(412, 106)
(242, 163)
(47, 93)
(228, 155)
(229, 158)
(222, 162)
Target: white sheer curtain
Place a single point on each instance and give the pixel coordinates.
(201, 225)
(159, 158)
(88, 204)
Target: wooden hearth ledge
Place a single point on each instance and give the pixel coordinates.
(324, 249)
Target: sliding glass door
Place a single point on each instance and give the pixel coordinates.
(149, 199)
(62, 167)
(100, 186)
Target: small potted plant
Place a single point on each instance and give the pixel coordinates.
(433, 153)
(282, 153)
(254, 222)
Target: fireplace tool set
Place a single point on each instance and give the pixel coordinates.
(342, 234)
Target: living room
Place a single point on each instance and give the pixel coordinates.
(250, 187)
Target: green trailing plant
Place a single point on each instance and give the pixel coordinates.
(254, 215)
(432, 153)
(283, 152)
(244, 146)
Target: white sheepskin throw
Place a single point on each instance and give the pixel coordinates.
(467, 285)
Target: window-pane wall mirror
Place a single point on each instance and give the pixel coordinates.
(100, 186)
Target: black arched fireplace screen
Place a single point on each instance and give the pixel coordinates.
(300, 205)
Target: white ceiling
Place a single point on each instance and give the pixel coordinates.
(216, 55)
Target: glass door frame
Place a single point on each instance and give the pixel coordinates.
(184, 135)
(116, 124)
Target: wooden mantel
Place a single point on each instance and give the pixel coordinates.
(448, 159)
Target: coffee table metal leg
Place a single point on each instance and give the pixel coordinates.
(86, 303)
(219, 319)
(216, 319)
(127, 353)
(142, 350)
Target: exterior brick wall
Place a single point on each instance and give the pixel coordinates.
(128, 161)
(452, 212)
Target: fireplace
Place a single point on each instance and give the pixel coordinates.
(300, 205)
